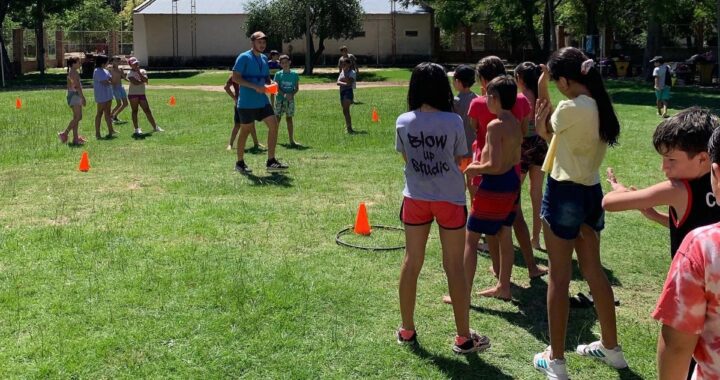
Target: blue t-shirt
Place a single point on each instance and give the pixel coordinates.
(253, 69)
(287, 82)
(103, 92)
(431, 141)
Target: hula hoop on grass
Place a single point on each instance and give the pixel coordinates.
(339, 241)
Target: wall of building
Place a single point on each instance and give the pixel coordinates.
(221, 37)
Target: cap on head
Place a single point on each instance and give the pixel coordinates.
(132, 61)
(657, 58)
(258, 36)
(274, 52)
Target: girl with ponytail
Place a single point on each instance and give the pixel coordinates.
(579, 130)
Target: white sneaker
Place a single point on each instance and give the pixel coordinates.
(596, 350)
(553, 369)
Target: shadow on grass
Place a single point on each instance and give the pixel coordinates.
(254, 150)
(184, 74)
(356, 132)
(296, 146)
(642, 94)
(457, 369)
(272, 179)
(363, 77)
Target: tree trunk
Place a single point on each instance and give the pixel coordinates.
(652, 44)
(8, 69)
(40, 37)
(591, 13)
(310, 63)
(529, 26)
(321, 48)
(547, 35)
(468, 42)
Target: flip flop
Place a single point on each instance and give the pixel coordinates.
(580, 302)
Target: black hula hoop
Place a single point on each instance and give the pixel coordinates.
(339, 241)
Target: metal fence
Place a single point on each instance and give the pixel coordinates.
(126, 42)
(77, 41)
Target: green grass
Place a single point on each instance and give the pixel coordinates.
(163, 262)
(57, 77)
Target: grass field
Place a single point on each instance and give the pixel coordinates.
(162, 262)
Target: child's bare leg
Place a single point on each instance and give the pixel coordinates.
(469, 262)
(108, 117)
(115, 109)
(453, 242)
(121, 108)
(242, 139)
(233, 134)
(77, 116)
(523, 237)
(98, 117)
(148, 113)
(134, 111)
(290, 127)
(415, 241)
(494, 252)
(507, 258)
(587, 246)
(346, 113)
(253, 133)
(536, 183)
(560, 255)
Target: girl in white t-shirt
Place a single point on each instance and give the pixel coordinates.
(136, 94)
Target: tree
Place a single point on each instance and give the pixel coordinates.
(4, 8)
(454, 14)
(89, 15)
(328, 19)
(33, 14)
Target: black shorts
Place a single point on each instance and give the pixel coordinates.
(250, 115)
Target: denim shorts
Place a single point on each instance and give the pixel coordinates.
(566, 206)
(346, 93)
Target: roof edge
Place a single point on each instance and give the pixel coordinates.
(142, 6)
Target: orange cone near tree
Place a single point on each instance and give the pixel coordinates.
(362, 224)
(375, 116)
(18, 103)
(84, 162)
(172, 101)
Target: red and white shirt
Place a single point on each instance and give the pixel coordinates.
(690, 300)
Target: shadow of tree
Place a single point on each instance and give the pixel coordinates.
(475, 368)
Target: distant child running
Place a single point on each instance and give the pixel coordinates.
(136, 94)
(76, 101)
(346, 81)
(682, 141)
(102, 88)
(662, 81)
(118, 90)
(288, 85)
(431, 139)
(532, 152)
(463, 80)
(494, 202)
(689, 307)
(579, 130)
(233, 90)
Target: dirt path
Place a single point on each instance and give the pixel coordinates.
(304, 87)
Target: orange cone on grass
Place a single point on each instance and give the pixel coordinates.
(84, 162)
(18, 103)
(172, 101)
(362, 224)
(375, 116)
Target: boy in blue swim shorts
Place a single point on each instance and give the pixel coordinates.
(346, 81)
(119, 93)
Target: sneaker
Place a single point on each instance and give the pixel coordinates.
(554, 369)
(158, 129)
(63, 137)
(614, 358)
(475, 343)
(138, 132)
(229, 147)
(274, 165)
(406, 336)
(242, 168)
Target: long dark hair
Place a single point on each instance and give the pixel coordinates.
(567, 62)
(529, 73)
(429, 85)
(101, 60)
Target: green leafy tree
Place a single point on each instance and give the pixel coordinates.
(7, 67)
(459, 14)
(126, 14)
(89, 15)
(328, 19)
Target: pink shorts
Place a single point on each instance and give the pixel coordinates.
(449, 216)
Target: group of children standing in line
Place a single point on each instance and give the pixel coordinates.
(518, 132)
(107, 84)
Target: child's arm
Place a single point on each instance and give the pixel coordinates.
(228, 90)
(76, 79)
(133, 78)
(622, 198)
(237, 78)
(543, 105)
(674, 350)
(493, 165)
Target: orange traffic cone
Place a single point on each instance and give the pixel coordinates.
(18, 103)
(362, 224)
(84, 162)
(375, 116)
(172, 101)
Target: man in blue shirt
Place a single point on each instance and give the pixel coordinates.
(252, 73)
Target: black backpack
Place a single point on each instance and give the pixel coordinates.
(668, 76)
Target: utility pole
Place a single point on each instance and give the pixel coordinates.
(549, 6)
